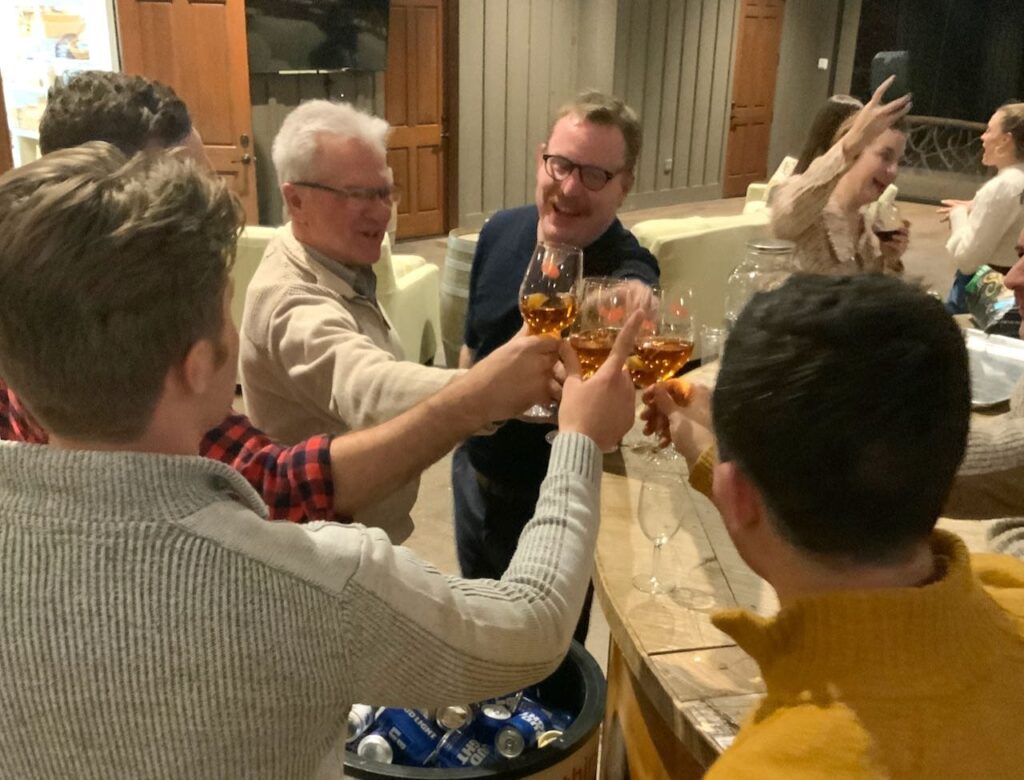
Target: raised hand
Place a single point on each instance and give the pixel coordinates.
(875, 118)
(517, 375)
(602, 406)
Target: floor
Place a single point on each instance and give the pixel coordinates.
(433, 538)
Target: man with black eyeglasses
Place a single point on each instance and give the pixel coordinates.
(584, 172)
(317, 352)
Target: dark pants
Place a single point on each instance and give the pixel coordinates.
(488, 521)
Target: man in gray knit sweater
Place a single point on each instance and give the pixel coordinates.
(152, 623)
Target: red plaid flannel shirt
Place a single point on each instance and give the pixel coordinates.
(295, 481)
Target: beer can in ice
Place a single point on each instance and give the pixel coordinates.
(413, 736)
(462, 748)
(454, 716)
(375, 747)
(360, 718)
(522, 732)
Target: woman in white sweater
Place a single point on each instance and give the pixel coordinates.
(984, 230)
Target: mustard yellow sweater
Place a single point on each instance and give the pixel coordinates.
(923, 682)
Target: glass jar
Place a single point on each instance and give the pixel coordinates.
(767, 264)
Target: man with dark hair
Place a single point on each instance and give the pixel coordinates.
(321, 477)
(131, 112)
(152, 623)
(841, 412)
(584, 172)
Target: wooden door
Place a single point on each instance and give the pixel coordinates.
(6, 154)
(753, 93)
(198, 47)
(414, 92)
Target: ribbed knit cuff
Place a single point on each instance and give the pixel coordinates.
(702, 474)
(576, 453)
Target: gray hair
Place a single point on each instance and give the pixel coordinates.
(295, 146)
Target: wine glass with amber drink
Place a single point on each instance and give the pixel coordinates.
(664, 344)
(665, 341)
(547, 296)
(603, 308)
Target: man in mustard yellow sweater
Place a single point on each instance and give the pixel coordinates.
(840, 414)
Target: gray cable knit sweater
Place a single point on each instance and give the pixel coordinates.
(154, 624)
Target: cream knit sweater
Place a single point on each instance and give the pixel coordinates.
(153, 624)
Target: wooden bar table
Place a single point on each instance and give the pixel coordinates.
(678, 688)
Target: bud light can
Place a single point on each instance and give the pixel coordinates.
(521, 732)
(560, 718)
(462, 748)
(374, 747)
(360, 718)
(414, 736)
(454, 716)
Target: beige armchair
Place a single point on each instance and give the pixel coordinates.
(701, 252)
(409, 291)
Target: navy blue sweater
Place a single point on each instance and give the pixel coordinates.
(517, 454)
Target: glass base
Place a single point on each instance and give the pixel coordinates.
(648, 583)
(540, 413)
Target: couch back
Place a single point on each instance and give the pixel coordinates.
(701, 253)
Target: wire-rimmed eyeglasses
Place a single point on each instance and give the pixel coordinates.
(387, 195)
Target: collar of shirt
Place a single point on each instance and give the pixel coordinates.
(360, 278)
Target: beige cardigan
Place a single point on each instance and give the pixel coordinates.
(317, 357)
(801, 213)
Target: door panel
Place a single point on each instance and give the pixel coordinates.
(753, 94)
(198, 47)
(415, 108)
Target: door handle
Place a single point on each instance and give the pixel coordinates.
(245, 160)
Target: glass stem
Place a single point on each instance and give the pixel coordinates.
(656, 563)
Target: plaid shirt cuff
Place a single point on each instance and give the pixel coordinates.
(296, 482)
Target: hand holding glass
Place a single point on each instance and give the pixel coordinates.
(603, 308)
(547, 296)
(665, 342)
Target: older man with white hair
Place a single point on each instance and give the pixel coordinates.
(317, 351)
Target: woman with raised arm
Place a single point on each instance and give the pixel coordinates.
(820, 210)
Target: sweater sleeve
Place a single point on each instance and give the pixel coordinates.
(990, 480)
(421, 638)
(799, 200)
(341, 370)
(976, 234)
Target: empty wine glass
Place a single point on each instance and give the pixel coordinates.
(547, 297)
(659, 511)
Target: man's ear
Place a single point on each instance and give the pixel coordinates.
(628, 179)
(293, 198)
(199, 368)
(738, 499)
(540, 152)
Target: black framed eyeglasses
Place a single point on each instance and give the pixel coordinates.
(593, 177)
(1020, 250)
(386, 195)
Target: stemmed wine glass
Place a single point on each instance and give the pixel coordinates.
(664, 344)
(547, 297)
(603, 308)
(660, 512)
